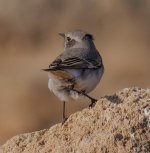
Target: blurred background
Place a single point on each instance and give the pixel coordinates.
(29, 41)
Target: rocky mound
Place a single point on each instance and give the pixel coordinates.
(117, 124)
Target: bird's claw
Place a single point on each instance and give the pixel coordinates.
(64, 120)
(93, 102)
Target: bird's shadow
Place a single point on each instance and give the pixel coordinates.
(114, 99)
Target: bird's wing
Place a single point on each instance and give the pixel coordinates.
(57, 67)
(74, 63)
(60, 64)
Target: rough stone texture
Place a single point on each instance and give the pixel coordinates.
(117, 124)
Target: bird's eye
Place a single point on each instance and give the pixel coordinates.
(68, 38)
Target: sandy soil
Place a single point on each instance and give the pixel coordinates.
(118, 124)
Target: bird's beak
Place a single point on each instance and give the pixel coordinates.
(62, 34)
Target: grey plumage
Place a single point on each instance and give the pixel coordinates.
(78, 69)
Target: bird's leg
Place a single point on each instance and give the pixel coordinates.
(64, 117)
(93, 101)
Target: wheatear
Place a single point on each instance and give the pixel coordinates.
(78, 70)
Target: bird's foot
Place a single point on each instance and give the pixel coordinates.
(64, 120)
(93, 102)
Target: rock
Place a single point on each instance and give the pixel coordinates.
(116, 124)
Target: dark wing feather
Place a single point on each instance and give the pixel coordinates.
(75, 63)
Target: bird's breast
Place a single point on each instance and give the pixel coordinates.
(86, 79)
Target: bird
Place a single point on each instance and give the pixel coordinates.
(77, 70)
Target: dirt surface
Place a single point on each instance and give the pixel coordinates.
(116, 124)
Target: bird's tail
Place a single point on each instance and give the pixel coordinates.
(61, 74)
(47, 70)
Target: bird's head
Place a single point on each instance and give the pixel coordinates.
(77, 39)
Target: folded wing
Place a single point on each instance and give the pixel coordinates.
(74, 63)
